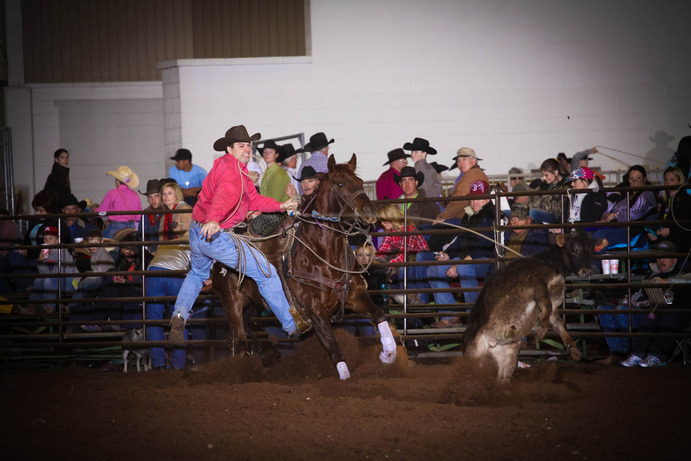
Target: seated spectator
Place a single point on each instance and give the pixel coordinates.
(375, 274)
(546, 209)
(526, 242)
(116, 287)
(663, 268)
(24, 261)
(98, 260)
(167, 258)
(639, 206)
(152, 222)
(676, 206)
(584, 206)
(78, 228)
(464, 246)
(647, 351)
(391, 248)
(53, 261)
(177, 224)
(419, 214)
(122, 198)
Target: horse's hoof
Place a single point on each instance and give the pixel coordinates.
(388, 358)
(343, 372)
(575, 353)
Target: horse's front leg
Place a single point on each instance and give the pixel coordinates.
(361, 303)
(323, 330)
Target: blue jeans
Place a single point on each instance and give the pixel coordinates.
(47, 288)
(162, 286)
(222, 249)
(88, 288)
(618, 323)
(469, 275)
(543, 217)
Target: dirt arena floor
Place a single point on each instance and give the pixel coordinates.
(298, 410)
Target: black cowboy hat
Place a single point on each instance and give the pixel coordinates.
(317, 142)
(69, 200)
(182, 154)
(235, 134)
(289, 150)
(409, 172)
(270, 144)
(396, 154)
(439, 168)
(307, 173)
(153, 186)
(420, 144)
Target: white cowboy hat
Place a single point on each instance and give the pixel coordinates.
(125, 176)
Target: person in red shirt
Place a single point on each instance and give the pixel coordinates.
(226, 197)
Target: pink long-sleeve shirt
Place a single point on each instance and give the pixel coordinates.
(122, 198)
(228, 194)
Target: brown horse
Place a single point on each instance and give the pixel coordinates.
(316, 265)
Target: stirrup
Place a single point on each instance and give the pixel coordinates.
(303, 325)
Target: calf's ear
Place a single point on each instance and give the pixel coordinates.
(561, 240)
(599, 244)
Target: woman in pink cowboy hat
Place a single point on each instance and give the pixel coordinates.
(122, 198)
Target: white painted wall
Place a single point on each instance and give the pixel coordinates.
(518, 81)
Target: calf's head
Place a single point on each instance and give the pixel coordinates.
(577, 252)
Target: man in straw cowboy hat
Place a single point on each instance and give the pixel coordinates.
(467, 162)
(225, 199)
(122, 198)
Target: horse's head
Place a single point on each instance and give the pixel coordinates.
(344, 191)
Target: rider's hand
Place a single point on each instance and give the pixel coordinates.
(291, 191)
(289, 205)
(210, 228)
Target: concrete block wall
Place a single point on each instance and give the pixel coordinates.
(517, 81)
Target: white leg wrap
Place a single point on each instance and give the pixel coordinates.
(343, 372)
(388, 354)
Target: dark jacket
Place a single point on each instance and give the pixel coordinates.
(59, 180)
(470, 244)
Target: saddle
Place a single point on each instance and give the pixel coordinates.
(267, 224)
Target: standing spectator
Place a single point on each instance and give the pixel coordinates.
(275, 178)
(676, 206)
(420, 149)
(152, 222)
(225, 199)
(188, 176)
(546, 209)
(420, 214)
(440, 169)
(387, 189)
(167, 258)
(9, 233)
(290, 163)
(309, 183)
(59, 177)
(584, 206)
(122, 198)
(78, 228)
(319, 147)
(582, 159)
(467, 163)
(174, 225)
